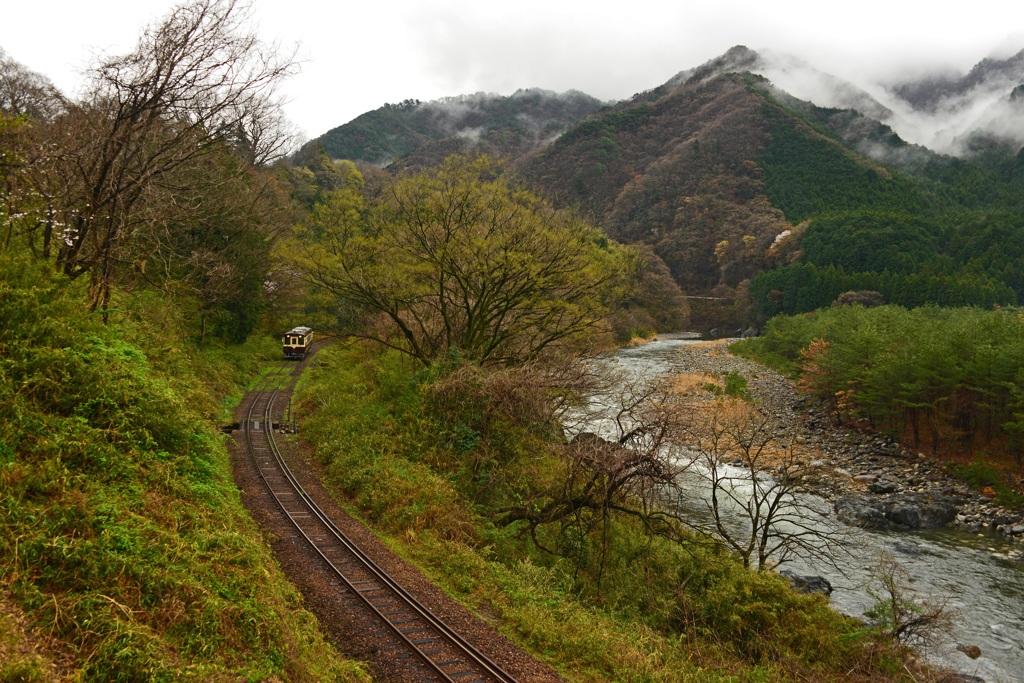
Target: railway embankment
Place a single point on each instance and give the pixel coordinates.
(375, 606)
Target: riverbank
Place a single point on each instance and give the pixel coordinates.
(431, 463)
(866, 470)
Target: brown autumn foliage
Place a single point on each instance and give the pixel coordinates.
(675, 171)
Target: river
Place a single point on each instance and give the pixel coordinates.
(972, 574)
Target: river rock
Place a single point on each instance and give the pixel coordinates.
(972, 651)
(882, 487)
(807, 584)
(921, 512)
(908, 511)
(863, 511)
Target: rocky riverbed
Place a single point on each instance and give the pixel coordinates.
(874, 482)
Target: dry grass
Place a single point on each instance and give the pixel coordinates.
(691, 385)
(706, 408)
(716, 347)
(24, 654)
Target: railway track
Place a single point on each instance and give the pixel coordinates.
(434, 651)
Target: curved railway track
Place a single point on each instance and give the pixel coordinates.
(436, 652)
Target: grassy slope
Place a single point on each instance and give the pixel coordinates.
(662, 613)
(125, 552)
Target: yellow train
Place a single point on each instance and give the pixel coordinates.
(297, 342)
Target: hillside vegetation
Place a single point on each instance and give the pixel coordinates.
(134, 243)
(126, 552)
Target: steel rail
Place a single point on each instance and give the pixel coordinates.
(411, 609)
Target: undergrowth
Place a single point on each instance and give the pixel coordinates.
(613, 604)
(124, 540)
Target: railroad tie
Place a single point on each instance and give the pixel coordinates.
(409, 631)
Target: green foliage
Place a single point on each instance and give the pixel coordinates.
(459, 259)
(948, 375)
(982, 474)
(735, 385)
(911, 260)
(805, 287)
(871, 242)
(124, 536)
(807, 173)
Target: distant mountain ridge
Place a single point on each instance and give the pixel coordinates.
(790, 75)
(950, 114)
(522, 121)
(974, 111)
(928, 94)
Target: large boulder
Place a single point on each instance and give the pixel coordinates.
(863, 511)
(900, 511)
(807, 584)
(921, 512)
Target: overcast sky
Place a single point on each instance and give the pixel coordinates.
(357, 56)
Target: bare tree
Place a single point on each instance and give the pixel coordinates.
(900, 615)
(631, 469)
(759, 487)
(198, 81)
(24, 92)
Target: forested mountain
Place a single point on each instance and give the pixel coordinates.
(723, 174)
(947, 112)
(496, 124)
(677, 172)
(717, 174)
(723, 169)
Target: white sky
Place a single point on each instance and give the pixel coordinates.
(358, 55)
